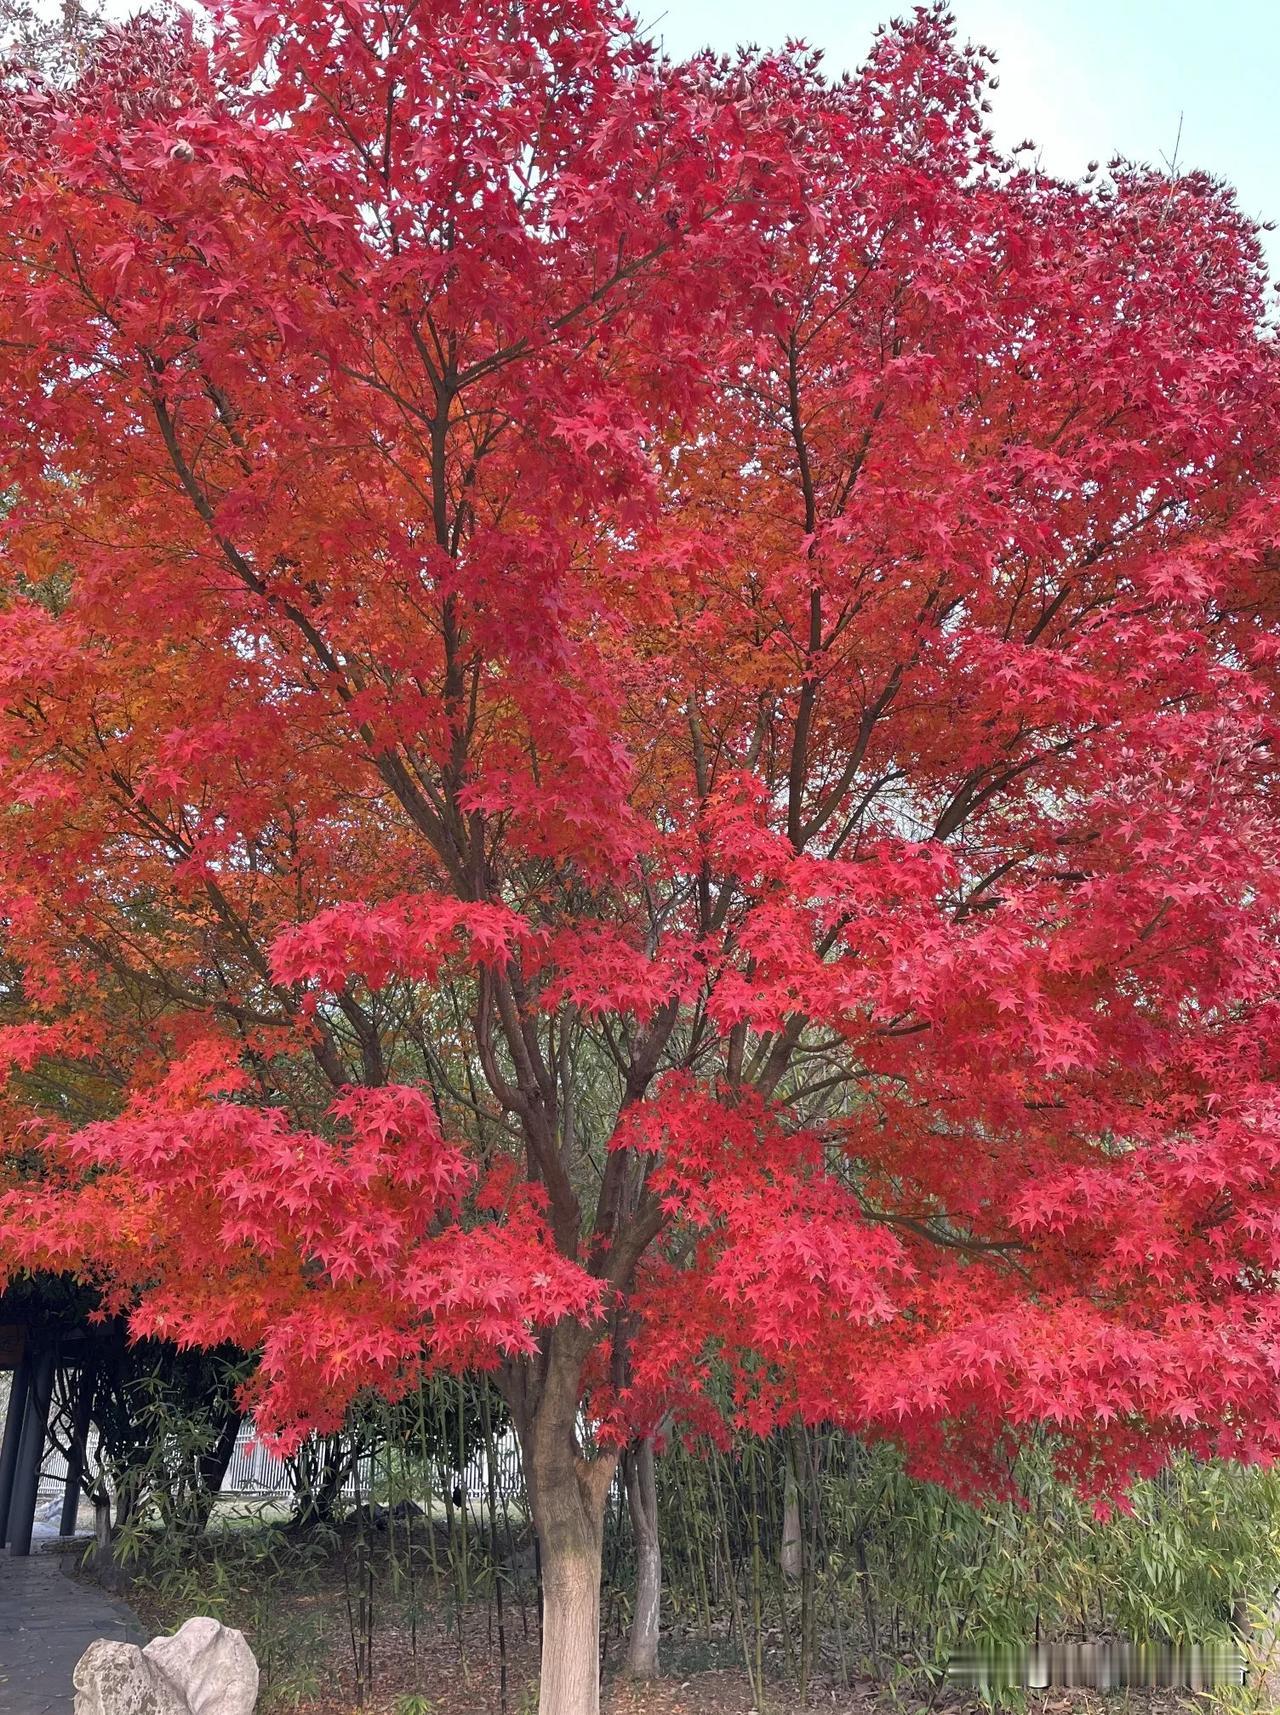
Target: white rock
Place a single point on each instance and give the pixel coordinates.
(117, 1679)
(211, 1666)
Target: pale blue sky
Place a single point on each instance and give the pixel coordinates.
(1087, 79)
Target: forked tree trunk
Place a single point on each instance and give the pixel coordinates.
(566, 1496)
(212, 1467)
(642, 1501)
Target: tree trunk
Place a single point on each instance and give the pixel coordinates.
(642, 1501)
(212, 1466)
(104, 1557)
(792, 1556)
(319, 1475)
(567, 1494)
(570, 1529)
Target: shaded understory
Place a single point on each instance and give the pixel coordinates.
(406, 1609)
(331, 1641)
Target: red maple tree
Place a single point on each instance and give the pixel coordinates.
(639, 735)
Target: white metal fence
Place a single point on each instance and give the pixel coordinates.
(255, 1470)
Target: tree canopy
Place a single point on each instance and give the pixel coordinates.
(638, 727)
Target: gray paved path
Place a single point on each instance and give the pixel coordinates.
(47, 1621)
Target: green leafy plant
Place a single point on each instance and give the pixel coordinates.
(414, 1703)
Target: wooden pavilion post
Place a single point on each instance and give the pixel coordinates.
(26, 1479)
(18, 1390)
